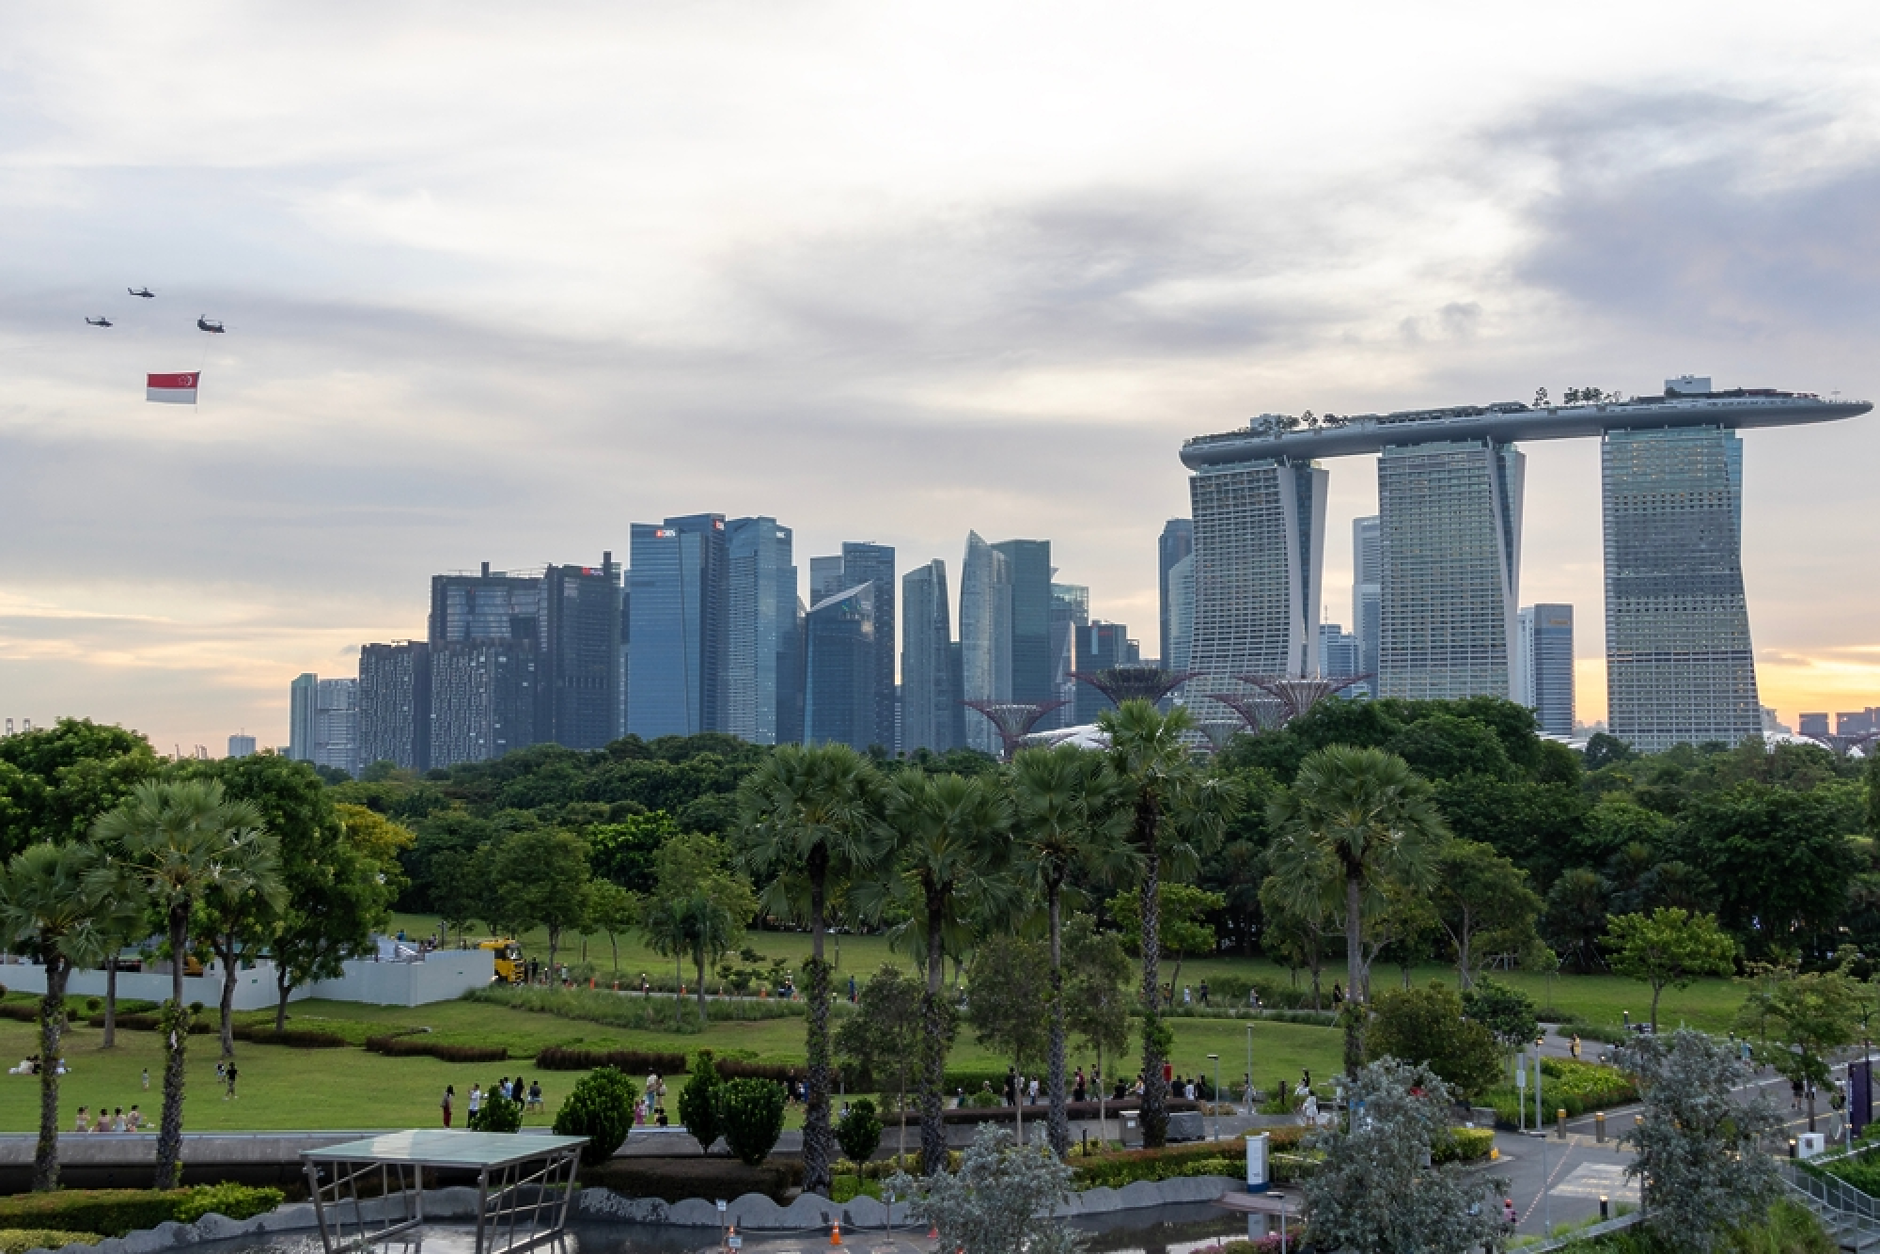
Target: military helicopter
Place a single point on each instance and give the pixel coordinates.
(144, 292)
(210, 325)
(97, 322)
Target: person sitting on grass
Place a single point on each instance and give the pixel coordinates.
(659, 1116)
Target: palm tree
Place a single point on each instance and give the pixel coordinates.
(1363, 818)
(239, 923)
(48, 909)
(693, 925)
(952, 839)
(807, 824)
(1175, 811)
(1066, 817)
(182, 842)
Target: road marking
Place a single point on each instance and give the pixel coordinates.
(1597, 1180)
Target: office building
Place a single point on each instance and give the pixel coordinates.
(395, 704)
(578, 656)
(1338, 651)
(241, 745)
(679, 625)
(1175, 544)
(874, 564)
(1259, 536)
(931, 714)
(1810, 724)
(489, 605)
(1070, 609)
(1366, 595)
(1679, 664)
(1101, 646)
(1181, 613)
(1449, 553)
(1029, 562)
(483, 699)
(764, 688)
(841, 670)
(1858, 722)
(303, 699)
(1546, 667)
(985, 636)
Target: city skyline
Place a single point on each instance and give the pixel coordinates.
(876, 274)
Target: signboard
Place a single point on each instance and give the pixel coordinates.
(1859, 1095)
(1256, 1163)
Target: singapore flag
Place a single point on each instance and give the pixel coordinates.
(172, 389)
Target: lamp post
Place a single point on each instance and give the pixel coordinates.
(1249, 1071)
(1215, 1105)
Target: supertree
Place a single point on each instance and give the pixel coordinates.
(1013, 719)
(1841, 744)
(1297, 695)
(1134, 683)
(1260, 713)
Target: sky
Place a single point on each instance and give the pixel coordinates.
(501, 280)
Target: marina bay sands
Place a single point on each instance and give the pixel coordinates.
(1680, 667)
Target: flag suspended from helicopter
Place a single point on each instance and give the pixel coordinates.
(172, 389)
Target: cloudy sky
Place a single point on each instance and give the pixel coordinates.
(500, 280)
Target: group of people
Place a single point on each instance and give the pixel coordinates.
(529, 1096)
(112, 1120)
(29, 1065)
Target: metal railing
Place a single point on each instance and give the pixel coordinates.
(1821, 1190)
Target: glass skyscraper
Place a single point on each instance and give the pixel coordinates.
(1181, 613)
(578, 652)
(985, 636)
(1547, 667)
(1449, 553)
(1176, 543)
(482, 699)
(1029, 562)
(1679, 665)
(931, 714)
(680, 584)
(841, 670)
(1367, 596)
(874, 564)
(764, 691)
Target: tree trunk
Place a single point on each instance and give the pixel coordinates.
(110, 1002)
(1059, 1128)
(283, 984)
(818, 1137)
(554, 943)
(1657, 988)
(698, 964)
(51, 1022)
(615, 942)
(1354, 971)
(933, 1136)
(170, 1130)
(1154, 1112)
(229, 976)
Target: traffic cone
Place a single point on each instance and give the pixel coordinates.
(835, 1233)
(933, 1232)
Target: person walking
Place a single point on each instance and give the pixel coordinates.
(1204, 992)
(535, 1095)
(146, 1079)
(476, 1102)
(450, 1097)
(231, 1095)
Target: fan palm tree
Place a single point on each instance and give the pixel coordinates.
(1357, 819)
(952, 841)
(807, 824)
(182, 842)
(1175, 811)
(240, 923)
(1065, 805)
(48, 909)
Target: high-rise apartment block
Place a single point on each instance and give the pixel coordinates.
(1175, 544)
(395, 704)
(303, 697)
(842, 670)
(323, 722)
(483, 699)
(1546, 667)
(1679, 664)
(241, 745)
(931, 714)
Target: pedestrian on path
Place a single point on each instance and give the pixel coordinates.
(450, 1097)
(146, 1079)
(1575, 1047)
(231, 1094)
(476, 1102)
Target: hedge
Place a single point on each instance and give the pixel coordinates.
(1205, 1158)
(676, 1179)
(20, 1240)
(781, 1072)
(420, 1046)
(293, 1038)
(149, 1022)
(631, 1061)
(114, 1212)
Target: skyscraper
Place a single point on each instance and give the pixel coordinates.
(489, 605)
(1449, 553)
(1029, 562)
(841, 670)
(578, 656)
(1547, 667)
(1070, 609)
(1259, 561)
(930, 685)
(1181, 614)
(241, 745)
(1177, 542)
(1366, 595)
(985, 636)
(336, 725)
(483, 699)
(1679, 665)
(764, 690)
(303, 699)
(680, 582)
(874, 564)
(1338, 650)
(395, 704)
(1100, 646)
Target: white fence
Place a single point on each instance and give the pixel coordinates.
(443, 976)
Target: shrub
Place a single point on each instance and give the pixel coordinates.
(1465, 1145)
(114, 1212)
(20, 1011)
(414, 1046)
(698, 1102)
(858, 1132)
(20, 1240)
(1114, 1170)
(675, 1179)
(142, 1021)
(499, 1114)
(630, 1061)
(293, 1038)
(600, 1108)
(623, 1011)
(781, 1072)
(94, 1003)
(752, 1113)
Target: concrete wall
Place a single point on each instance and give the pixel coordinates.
(445, 976)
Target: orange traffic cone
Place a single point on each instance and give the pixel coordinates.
(933, 1232)
(835, 1233)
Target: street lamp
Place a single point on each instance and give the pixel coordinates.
(1215, 1106)
(1249, 1071)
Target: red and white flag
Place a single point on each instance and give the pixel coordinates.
(172, 389)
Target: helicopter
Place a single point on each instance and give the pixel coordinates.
(97, 322)
(209, 325)
(144, 292)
